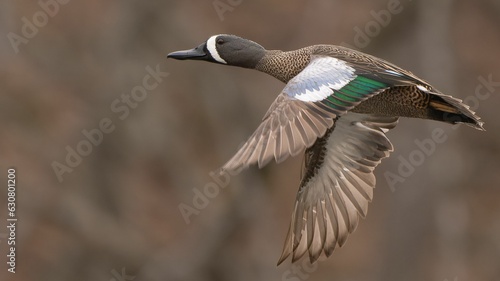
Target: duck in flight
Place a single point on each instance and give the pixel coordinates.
(336, 106)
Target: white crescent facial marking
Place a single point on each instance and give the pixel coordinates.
(213, 49)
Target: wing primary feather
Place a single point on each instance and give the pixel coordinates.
(338, 183)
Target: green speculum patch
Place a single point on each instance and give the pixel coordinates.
(356, 90)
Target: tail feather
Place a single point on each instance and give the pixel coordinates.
(443, 106)
(452, 110)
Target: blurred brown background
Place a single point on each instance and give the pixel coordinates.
(116, 215)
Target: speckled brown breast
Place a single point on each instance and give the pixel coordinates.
(285, 65)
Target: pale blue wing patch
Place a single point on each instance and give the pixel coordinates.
(319, 79)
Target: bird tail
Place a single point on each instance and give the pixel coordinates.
(451, 110)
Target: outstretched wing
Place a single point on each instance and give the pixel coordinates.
(289, 127)
(337, 184)
(305, 109)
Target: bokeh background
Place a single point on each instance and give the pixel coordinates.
(116, 215)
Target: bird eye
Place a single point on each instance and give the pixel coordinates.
(220, 41)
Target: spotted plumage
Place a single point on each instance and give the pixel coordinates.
(336, 106)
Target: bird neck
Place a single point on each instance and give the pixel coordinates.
(284, 65)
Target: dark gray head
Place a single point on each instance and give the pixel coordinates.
(224, 49)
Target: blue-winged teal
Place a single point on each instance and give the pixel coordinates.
(337, 105)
